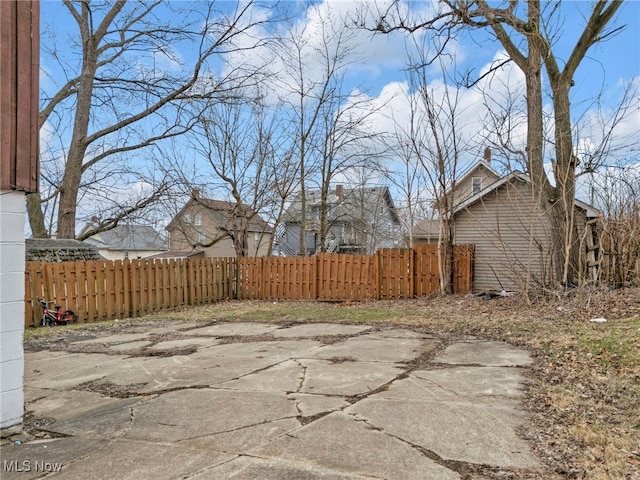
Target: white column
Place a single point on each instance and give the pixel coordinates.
(12, 263)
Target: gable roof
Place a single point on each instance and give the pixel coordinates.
(129, 237)
(345, 206)
(590, 210)
(221, 211)
(427, 229)
(476, 166)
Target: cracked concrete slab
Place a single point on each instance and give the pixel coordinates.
(240, 440)
(67, 371)
(488, 354)
(338, 442)
(311, 405)
(80, 412)
(279, 349)
(251, 468)
(154, 374)
(254, 400)
(459, 382)
(50, 452)
(460, 431)
(126, 459)
(397, 333)
(346, 378)
(366, 349)
(183, 342)
(118, 338)
(319, 329)
(232, 329)
(286, 376)
(192, 413)
(129, 346)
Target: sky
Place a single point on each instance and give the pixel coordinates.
(376, 68)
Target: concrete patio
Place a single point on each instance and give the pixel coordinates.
(267, 401)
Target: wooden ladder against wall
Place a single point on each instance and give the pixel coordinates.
(593, 257)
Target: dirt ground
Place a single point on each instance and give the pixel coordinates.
(584, 395)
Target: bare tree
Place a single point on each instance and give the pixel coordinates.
(409, 179)
(347, 142)
(528, 32)
(313, 66)
(438, 145)
(116, 98)
(236, 139)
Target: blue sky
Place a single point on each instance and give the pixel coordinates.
(376, 69)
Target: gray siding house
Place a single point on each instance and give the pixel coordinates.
(358, 221)
(511, 233)
(205, 227)
(128, 242)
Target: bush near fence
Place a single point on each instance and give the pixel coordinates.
(106, 290)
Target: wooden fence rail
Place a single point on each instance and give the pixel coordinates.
(106, 290)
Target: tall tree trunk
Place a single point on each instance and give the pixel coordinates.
(565, 178)
(78, 146)
(36, 216)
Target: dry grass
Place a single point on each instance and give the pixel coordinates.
(584, 394)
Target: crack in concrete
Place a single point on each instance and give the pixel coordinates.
(304, 374)
(237, 429)
(462, 395)
(262, 369)
(210, 468)
(112, 390)
(466, 470)
(312, 418)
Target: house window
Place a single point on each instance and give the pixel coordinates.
(201, 237)
(198, 219)
(187, 218)
(476, 185)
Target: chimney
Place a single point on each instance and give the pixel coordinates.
(487, 155)
(340, 192)
(195, 193)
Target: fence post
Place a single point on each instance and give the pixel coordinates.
(377, 281)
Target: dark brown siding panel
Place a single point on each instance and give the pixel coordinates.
(19, 69)
(7, 94)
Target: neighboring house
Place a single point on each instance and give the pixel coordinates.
(477, 178)
(511, 233)
(128, 242)
(206, 228)
(426, 232)
(358, 221)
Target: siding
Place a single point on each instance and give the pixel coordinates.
(183, 234)
(133, 254)
(19, 70)
(511, 239)
(464, 189)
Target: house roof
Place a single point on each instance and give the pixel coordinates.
(221, 212)
(590, 210)
(346, 207)
(476, 166)
(427, 229)
(129, 237)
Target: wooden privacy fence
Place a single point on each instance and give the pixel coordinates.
(105, 290)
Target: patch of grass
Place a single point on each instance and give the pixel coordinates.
(256, 311)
